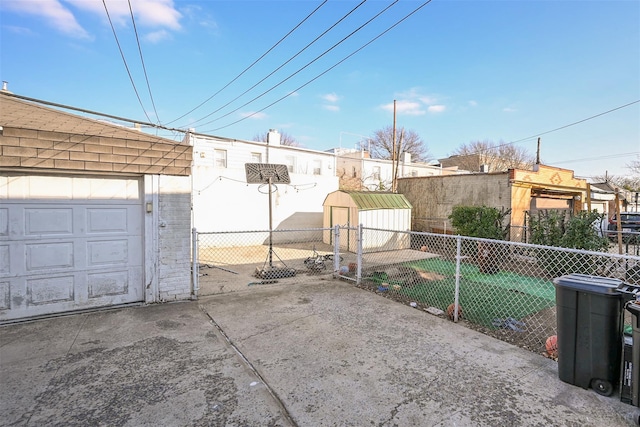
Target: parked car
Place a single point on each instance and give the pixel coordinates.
(630, 222)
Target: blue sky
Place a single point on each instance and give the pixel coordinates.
(460, 71)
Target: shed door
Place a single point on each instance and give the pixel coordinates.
(340, 216)
(69, 243)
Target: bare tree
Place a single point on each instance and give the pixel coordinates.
(407, 141)
(285, 139)
(629, 182)
(498, 157)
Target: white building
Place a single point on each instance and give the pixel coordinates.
(358, 171)
(223, 201)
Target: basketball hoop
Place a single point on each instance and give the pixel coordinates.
(268, 173)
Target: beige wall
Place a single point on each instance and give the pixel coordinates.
(433, 198)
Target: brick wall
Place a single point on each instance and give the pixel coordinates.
(174, 238)
(142, 154)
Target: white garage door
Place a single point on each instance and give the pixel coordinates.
(69, 243)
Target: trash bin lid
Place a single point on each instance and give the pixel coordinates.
(633, 307)
(586, 283)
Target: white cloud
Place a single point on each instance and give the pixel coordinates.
(473, 103)
(253, 115)
(331, 107)
(410, 108)
(157, 36)
(414, 102)
(157, 13)
(331, 97)
(427, 100)
(54, 13)
(23, 31)
(149, 14)
(509, 110)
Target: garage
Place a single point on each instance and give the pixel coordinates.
(92, 214)
(70, 243)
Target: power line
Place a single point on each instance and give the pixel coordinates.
(610, 156)
(304, 67)
(123, 59)
(575, 123)
(555, 130)
(328, 69)
(144, 69)
(282, 65)
(82, 110)
(250, 66)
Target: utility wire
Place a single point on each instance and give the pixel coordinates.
(557, 129)
(574, 123)
(144, 68)
(306, 65)
(285, 63)
(250, 66)
(610, 156)
(123, 59)
(95, 113)
(330, 68)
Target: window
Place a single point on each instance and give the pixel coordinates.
(354, 172)
(220, 158)
(290, 161)
(376, 173)
(317, 167)
(256, 157)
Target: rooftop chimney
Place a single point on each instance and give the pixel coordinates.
(4, 87)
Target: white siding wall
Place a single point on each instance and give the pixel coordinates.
(223, 201)
(387, 219)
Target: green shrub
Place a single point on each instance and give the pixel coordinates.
(480, 221)
(560, 229)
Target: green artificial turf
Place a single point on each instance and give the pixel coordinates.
(483, 297)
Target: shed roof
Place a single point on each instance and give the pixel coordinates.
(370, 200)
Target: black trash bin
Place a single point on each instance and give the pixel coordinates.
(589, 316)
(630, 387)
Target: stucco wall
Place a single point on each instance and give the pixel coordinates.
(433, 198)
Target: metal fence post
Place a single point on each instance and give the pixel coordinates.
(359, 255)
(194, 263)
(336, 252)
(456, 301)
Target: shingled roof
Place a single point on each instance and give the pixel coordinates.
(37, 136)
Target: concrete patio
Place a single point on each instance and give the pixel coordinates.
(304, 354)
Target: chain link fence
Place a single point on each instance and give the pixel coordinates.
(503, 289)
(231, 261)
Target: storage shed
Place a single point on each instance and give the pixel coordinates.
(387, 211)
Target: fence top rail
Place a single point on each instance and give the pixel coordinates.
(264, 231)
(515, 244)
